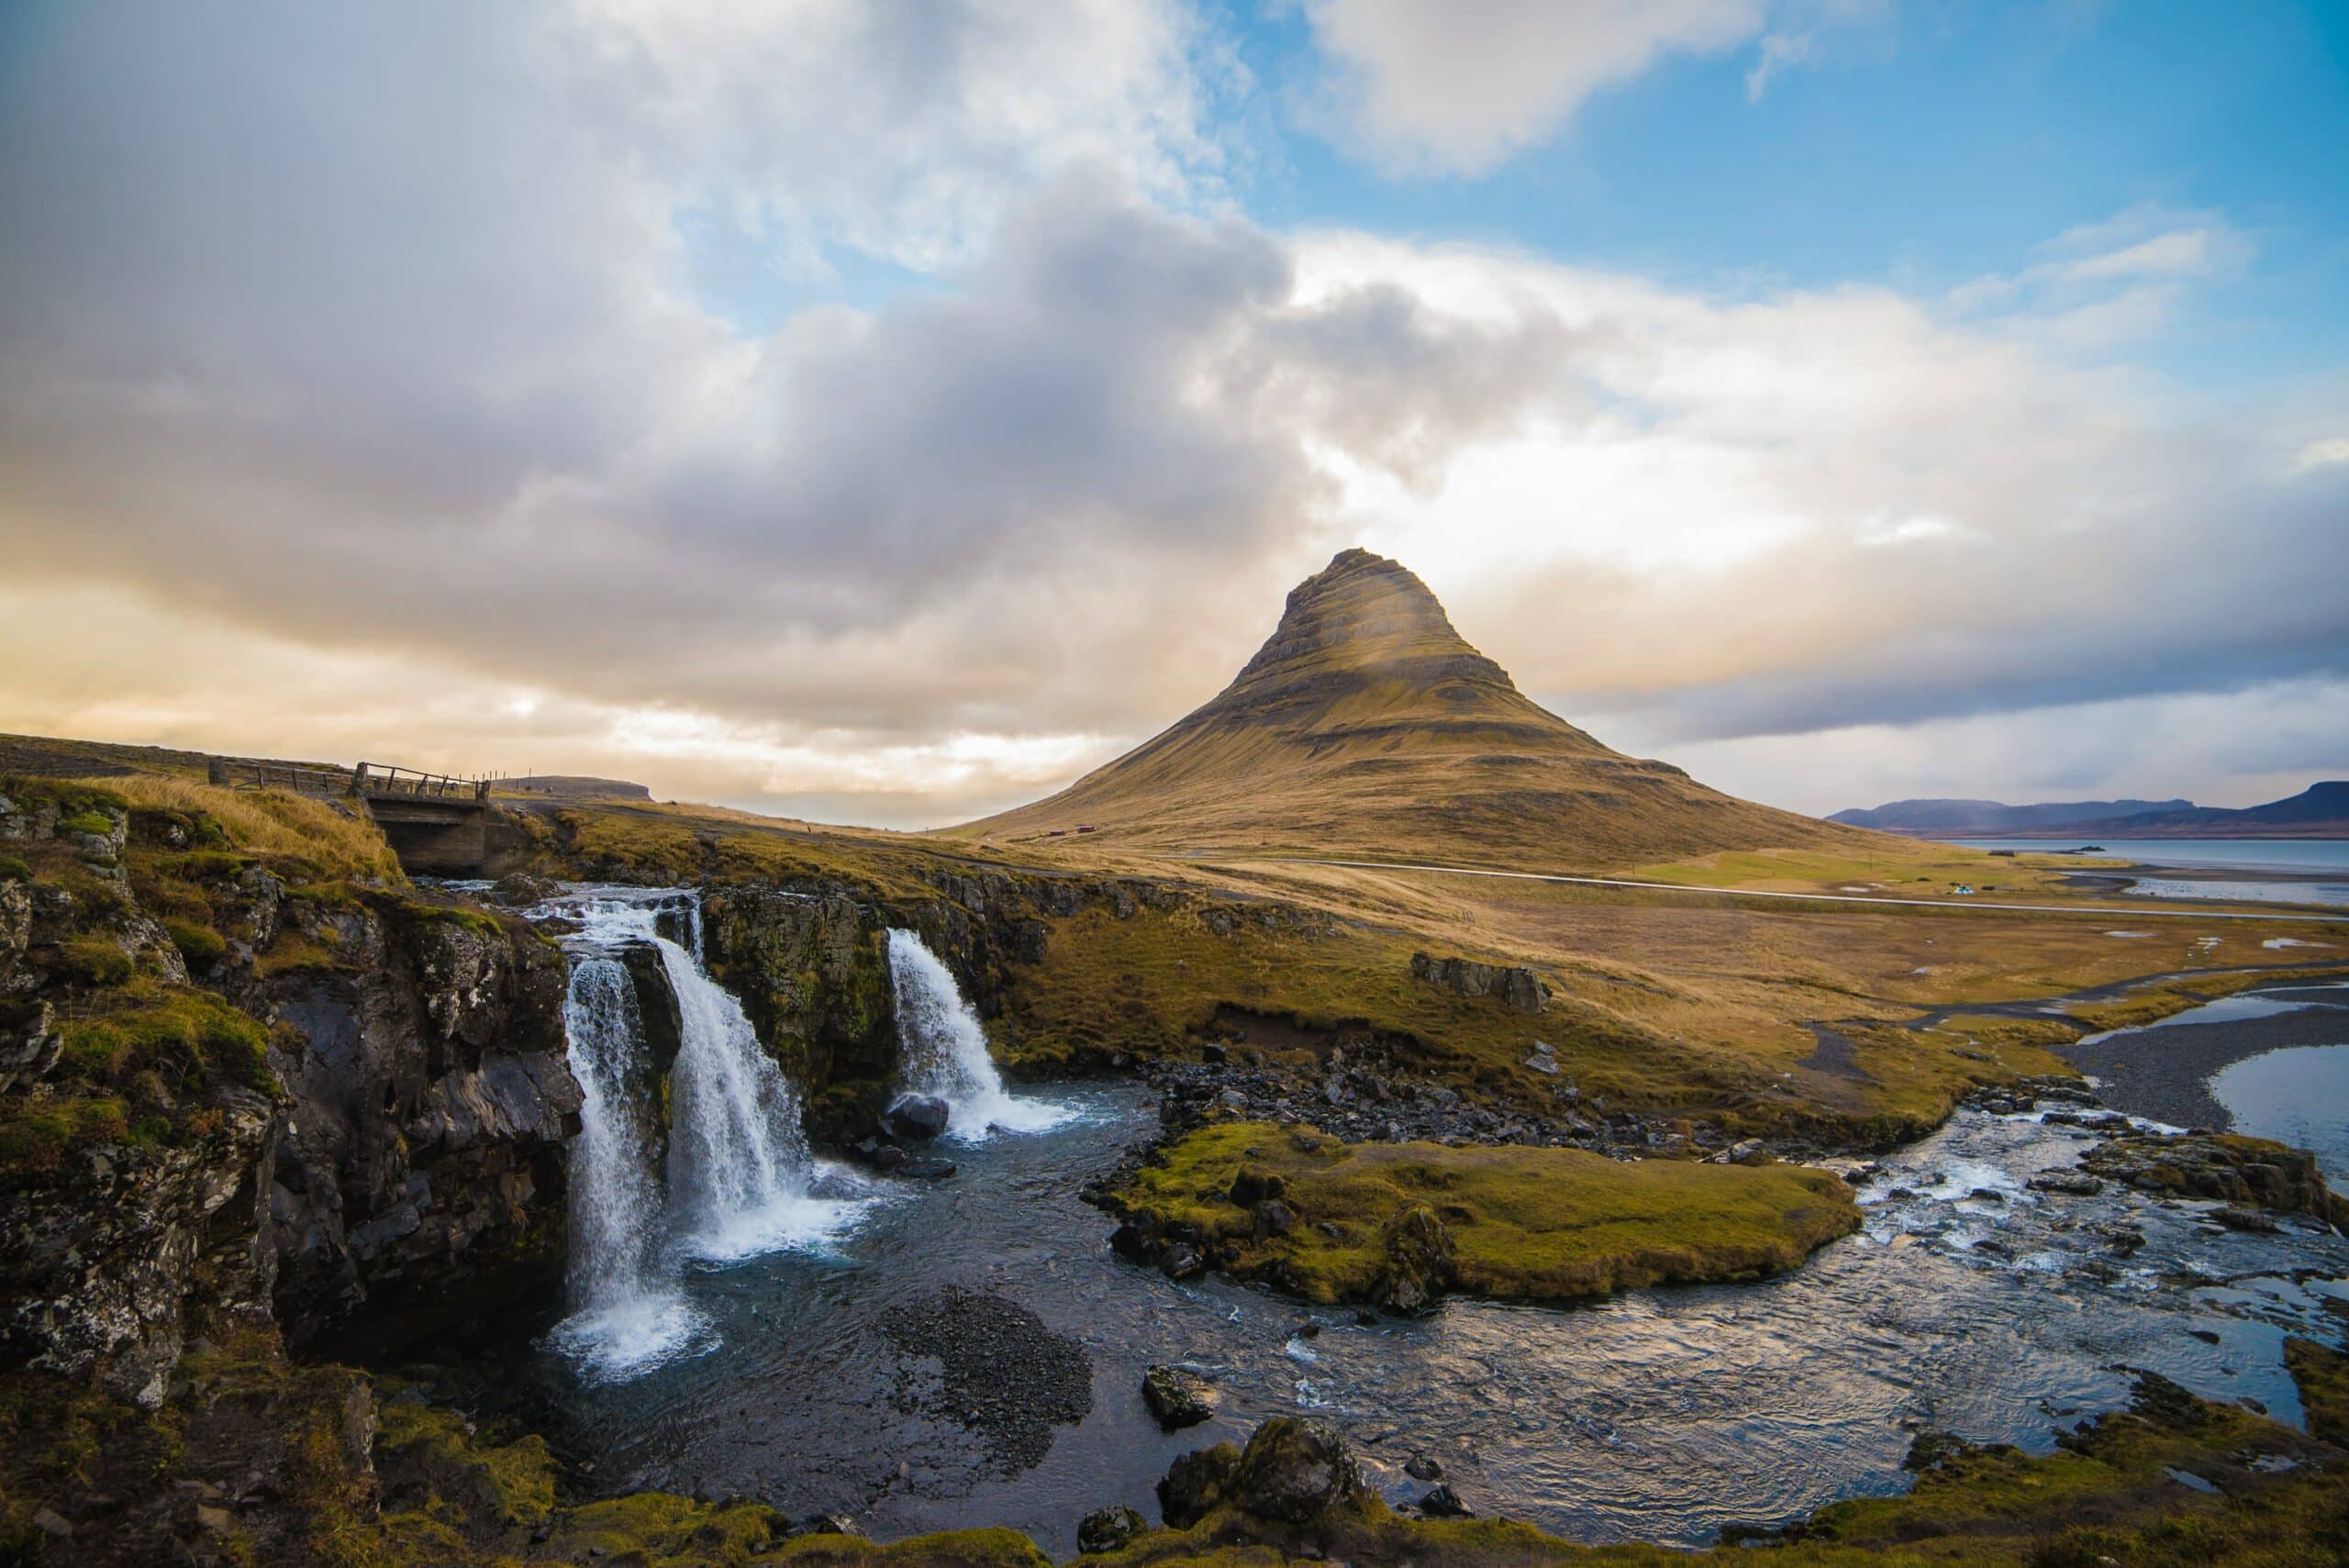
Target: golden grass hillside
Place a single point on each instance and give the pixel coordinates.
(1366, 727)
(269, 822)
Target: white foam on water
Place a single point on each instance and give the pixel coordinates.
(943, 1051)
(737, 1181)
(631, 1337)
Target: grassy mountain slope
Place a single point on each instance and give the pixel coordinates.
(1367, 728)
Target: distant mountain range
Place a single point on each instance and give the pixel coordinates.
(2321, 811)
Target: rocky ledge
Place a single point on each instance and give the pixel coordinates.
(260, 1086)
(2250, 1175)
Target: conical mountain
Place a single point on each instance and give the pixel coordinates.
(1366, 727)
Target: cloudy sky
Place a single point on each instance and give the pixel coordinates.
(885, 411)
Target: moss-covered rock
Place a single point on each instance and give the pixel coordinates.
(2228, 1167)
(1399, 1224)
(812, 972)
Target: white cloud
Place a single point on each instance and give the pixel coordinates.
(432, 418)
(2331, 453)
(1459, 87)
(900, 129)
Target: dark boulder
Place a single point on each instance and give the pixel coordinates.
(1251, 1185)
(1294, 1471)
(519, 890)
(916, 1115)
(1177, 1396)
(1107, 1530)
(1196, 1484)
(1135, 1241)
(1181, 1262)
(1418, 1263)
(1443, 1503)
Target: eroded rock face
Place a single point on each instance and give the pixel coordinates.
(1518, 987)
(812, 971)
(393, 1149)
(99, 1261)
(420, 1172)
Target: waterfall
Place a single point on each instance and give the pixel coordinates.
(738, 1159)
(739, 1173)
(942, 1051)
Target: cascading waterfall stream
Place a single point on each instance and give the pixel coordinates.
(738, 1176)
(943, 1051)
(738, 1167)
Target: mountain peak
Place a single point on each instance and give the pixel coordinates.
(1366, 727)
(1363, 618)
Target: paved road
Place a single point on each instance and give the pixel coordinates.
(2102, 911)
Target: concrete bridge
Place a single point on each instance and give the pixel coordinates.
(436, 823)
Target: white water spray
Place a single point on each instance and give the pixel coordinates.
(739, 1173)
(626, 1316)
(942, 1051)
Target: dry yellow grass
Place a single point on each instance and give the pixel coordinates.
(269, 822)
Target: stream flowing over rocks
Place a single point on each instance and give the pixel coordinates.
(1973, 1302)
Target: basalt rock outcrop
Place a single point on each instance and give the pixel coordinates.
(2251, 1173)
(232, 1085)
(810, 962)
(812, 972)
(1518, 987)
(420, 1170)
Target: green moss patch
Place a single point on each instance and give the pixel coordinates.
(513, 1484)
(93, 960)
(36, 1135)
(994, 1548)
(189, 1039)
(199, 944)
(1532, 1224)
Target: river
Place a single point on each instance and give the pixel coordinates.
(1969, 1303)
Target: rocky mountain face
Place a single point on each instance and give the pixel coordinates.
(1367, 728)
(227, 1087)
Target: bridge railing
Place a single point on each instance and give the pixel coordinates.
(239, 774)
(367, 778)
(377, 778)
